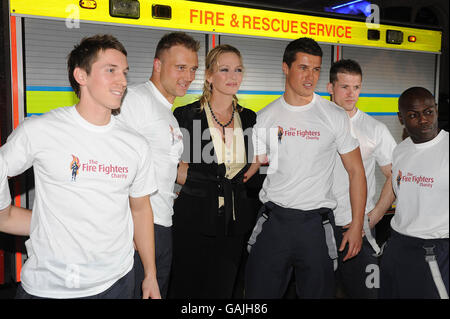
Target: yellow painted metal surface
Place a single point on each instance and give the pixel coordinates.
(224, 19)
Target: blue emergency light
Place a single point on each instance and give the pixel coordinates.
(353, 7)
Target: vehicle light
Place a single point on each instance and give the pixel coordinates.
(373, 34)
(394, 37)
(160, 11)
(412, 38)
(124, 8)
(88, 4)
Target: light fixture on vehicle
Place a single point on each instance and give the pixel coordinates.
(88, 4)
(373, 34)
(394, 37)
(160, 11)
(124, 8)
(412, 38)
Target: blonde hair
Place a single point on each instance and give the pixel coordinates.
(211, 62)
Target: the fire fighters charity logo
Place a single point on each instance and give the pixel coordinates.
(75, 166)
(175, 136)
(280, 134)
(399, 178)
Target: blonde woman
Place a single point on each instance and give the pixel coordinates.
(215, 210)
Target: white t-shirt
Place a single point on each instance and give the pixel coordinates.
(301, 144)
(81, 235)
(146, 110)
(5, 196)
(376, 144)
(420, 180)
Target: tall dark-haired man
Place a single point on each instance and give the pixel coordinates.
(300, 133)
(83, 221)
(376, 144)
(415, 263)
(147, 107)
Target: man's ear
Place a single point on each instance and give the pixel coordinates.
(157, 65)
(80, 76)
(400, 118)
(330, 88)
(285, 68)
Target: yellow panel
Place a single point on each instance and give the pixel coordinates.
(212, 18)
(187, 99)
(44, 101)
(378, 104)
(256, 102)
(252, 102)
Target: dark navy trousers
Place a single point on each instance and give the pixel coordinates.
(353, 275)
(290, 241)
(163, 259)
(404, 271)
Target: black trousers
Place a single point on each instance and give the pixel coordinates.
(204, 266)
(404, 273)
(163, 259)
(290, 240)
(353, 275)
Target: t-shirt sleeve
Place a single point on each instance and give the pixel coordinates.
(17, 152)
(5, 197)
(344, 140)
(134, 110)
(385, 146)
(144, 182)
(395, 174)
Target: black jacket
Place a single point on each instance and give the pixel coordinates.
(196, 207)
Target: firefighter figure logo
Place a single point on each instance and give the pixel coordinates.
(280, 134)
(172, 134)
(399, 178)
(175, 136)
(75, 166)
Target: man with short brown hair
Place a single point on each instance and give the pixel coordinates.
(300, 133)
(376, 145)
(147, 107)
(92, 186)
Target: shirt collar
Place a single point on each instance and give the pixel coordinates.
(159, 95)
